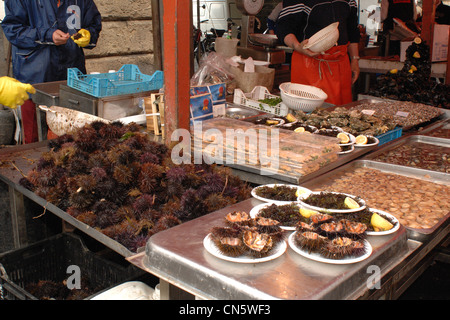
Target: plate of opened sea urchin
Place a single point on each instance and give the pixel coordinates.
(278, 193)
(288, 215)
(246, 240)
(329, 240)
(332, 202)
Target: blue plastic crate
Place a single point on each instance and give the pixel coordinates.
(127, 80)
(389, 136)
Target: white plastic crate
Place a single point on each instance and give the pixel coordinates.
(251, 100)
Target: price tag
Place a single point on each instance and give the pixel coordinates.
(368, 112)
(402, 114)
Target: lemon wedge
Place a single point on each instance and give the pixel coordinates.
(361, 139)
(307, 212)
(299, 129)
(416, 55)
(350, 203)
(291, 118)
(300, 191)
(379, 223)
(343, 137)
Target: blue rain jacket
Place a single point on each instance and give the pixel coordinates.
(29, 26)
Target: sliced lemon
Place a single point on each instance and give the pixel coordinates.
(291, 118)
(343, 137)
(379, 223)
(361, 139)
(417, 40)
(300, 191)
(307, 212)
(350, 203)
(299, 129)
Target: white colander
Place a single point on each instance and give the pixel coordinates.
(302, 97)
(324, 39)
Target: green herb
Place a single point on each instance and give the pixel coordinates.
(271, 101)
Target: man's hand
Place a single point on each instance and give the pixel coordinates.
(60, 38)
(301, 48)
(354, 65)
(13, 93)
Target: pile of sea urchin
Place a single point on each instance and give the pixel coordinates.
(114, 178)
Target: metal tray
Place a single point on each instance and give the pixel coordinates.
(441, 142)
(290, 276)
(442, 124)
(239, 112)
(426, 175)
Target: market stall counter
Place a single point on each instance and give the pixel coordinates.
(179, 257)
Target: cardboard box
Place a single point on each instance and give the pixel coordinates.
(439, 47)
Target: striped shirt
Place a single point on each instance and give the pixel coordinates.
(303, 18)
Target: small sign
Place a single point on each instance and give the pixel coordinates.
(368, 112)
(402, 114)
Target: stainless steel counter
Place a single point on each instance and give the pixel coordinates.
(178, 257)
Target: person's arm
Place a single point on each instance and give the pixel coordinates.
(353, 51)
(17, 30)
(354, 38)
(291, 41)
(384, 9)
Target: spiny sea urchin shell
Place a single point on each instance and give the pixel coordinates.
(338, 248)
(309, 240)
(239, 218)
(228, 240)
(258, 244)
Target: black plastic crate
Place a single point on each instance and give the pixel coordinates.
(49, 260)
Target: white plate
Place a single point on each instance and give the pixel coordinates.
(318, 257)
(382, 233)
(301, 197)
(273, 185)
(255, 212)
(368, 144)
(352, 147)
(211, 247)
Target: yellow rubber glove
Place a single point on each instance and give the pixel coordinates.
(13, 93)
(84, 40)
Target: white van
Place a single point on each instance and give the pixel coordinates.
(215, 14)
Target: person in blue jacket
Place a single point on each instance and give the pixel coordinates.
(47, 37)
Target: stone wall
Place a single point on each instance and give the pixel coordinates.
(127, 36)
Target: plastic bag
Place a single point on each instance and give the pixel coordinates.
(213, 69)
